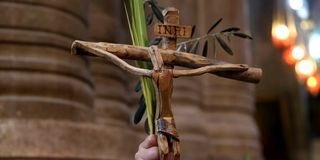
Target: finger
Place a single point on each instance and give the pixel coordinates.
(150, 154)
(150, 141)
(138, 155)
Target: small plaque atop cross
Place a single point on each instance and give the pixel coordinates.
(171, 29)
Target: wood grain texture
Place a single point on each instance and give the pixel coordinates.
(170, 57)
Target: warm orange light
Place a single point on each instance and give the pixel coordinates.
(313, 85)
(282, 36)
(294, 54)
(298, 53)
(312, 82)
(281, 32)
(284, 32)
(305, 68)
(288, 58)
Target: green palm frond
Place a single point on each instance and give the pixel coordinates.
(139, 36)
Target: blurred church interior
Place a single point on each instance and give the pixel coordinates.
(57, 106)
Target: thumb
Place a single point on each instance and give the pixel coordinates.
(150, 141)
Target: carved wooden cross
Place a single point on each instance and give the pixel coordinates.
(163, 61)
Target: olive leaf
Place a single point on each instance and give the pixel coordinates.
(242, 35)
(179, 47)
(149, 18)
(153, 1)
(214, 25)
(195, 46)
(140, 111)
(155, 41)
(185, 47)
(156, 10)
(228, 38)
(150, 1)
(224, 45)
(205, 49)
(214, 47)
(231, 29)
(137, 87)
(193, 30)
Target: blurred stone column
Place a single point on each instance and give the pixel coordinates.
(45, 93)
(229, 104)
(111, 83)
(189, 118)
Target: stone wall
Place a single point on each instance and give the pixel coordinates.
(111, 83)
(45, 93)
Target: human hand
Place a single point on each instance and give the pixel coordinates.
(148, 149)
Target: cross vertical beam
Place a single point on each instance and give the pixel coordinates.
(171, 17)
(168, 140)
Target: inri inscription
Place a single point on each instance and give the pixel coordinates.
(173, 31)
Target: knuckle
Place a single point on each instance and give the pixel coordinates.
(136, 156)
(153, 153)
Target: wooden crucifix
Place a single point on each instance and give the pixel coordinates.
(164, 59)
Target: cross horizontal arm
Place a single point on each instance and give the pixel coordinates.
(171, 57)
(211, 69)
